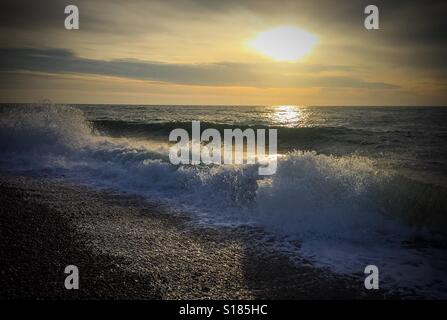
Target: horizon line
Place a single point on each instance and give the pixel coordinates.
(227, 105)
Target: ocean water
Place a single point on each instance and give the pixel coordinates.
(354, 185)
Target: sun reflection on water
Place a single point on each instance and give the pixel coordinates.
(290, 116)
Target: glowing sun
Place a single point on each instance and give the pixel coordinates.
(284, 43)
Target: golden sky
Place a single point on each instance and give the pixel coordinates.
(201, 52)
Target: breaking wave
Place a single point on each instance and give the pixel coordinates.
(344, 211)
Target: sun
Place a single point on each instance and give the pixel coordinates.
(284, 43)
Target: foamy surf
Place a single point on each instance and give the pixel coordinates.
(337, 207)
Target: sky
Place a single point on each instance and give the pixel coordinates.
(198, 52)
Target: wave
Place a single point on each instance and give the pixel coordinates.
(344, 211)
(337, 140)
(119, 128)
(42, 128)
(33, 135)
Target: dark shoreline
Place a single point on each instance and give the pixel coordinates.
(127, 248)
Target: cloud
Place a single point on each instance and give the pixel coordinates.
(200, 43)
(404, 23)
(215, 74)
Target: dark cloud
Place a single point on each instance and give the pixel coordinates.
(31, 14)
(216, 74)
(46, 16)
(408, 20)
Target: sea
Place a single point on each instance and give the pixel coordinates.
(354, 186)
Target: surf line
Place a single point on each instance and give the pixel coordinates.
(206, 147)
